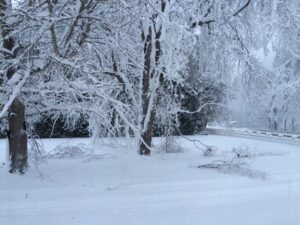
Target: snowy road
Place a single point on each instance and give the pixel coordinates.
(161, 189)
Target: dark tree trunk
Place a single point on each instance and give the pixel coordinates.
(145, 143)
(147, 137)
(17, 137)
(149, 73)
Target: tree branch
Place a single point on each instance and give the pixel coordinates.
(242, 8)
(208, 22)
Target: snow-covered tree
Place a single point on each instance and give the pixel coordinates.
(119, 64)
(14, 73)
(270, 79)
(285, 104)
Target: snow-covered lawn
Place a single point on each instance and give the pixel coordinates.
(121, 187)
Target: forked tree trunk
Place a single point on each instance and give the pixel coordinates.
(148, 74)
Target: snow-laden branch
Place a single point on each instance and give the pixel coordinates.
(16, 90)
(202, 107)
(213, 20)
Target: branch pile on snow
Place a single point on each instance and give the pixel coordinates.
(239, 164)
(66, 151)
(70, 152)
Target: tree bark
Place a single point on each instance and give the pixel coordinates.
(17, 137)
(146, 136)
(148, 74)
(145, 144)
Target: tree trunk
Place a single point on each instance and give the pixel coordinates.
(148, 74)
(145, 144)
(17, 137)
(146, 136)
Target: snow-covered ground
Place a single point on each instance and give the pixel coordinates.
(121, 187)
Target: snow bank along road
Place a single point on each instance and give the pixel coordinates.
(290, 138)
(164, 189)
